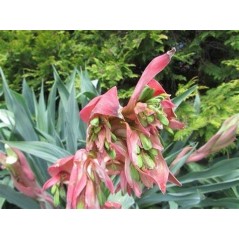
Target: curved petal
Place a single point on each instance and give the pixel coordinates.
(77, 181)
(133, 185)
(158, 89)
(132, 141)
(104, 176)
(90, 196)
(24, 165)
(29, 191)
(63, 164)
(52, 181)
(161, 173)
(172, 179)
(175, 124)
(153, 68)
(85, 113)
(106, 104)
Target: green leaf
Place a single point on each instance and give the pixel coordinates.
(17, 198)
(29, 96)
(230, 203)
(179, 99)
(223, 167)
(182, 199)
(87, 89)
(43, 150)
(125, 200)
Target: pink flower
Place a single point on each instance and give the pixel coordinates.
(145, 164)
(98, 113)
(60, 172)
(224, 137)
(85, 177)
(153, 68)
(126, 139)
(106, 104)
(149, 110)
(22, 176)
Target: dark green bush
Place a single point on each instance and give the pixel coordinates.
(210, 58)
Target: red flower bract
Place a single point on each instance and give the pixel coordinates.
(106, 104)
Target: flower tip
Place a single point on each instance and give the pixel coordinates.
(171, 52)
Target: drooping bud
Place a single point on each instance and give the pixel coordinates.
(101, 197)
(112, 153)
(146, 143)
(134, 173)
(97, 130)
(146, 94)
(162, 118)
(113, 137)
(137, 149)
(139, 161)
(148, 161)
(143, 121)
(95, 122)
(153, 152)
(107, 146)
(56, 197)
(150, 119)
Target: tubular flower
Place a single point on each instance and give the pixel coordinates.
(146, 165)
(224, 137)
(86, 180)
(98, 113)
(149, 110)
(22, 176)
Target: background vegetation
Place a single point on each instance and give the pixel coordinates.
(207, 58)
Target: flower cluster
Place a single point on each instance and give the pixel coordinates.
(122, 143)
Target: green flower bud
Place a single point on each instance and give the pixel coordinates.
(101, 197)
(153, 152)
(56, 198)
(112, 153)
(148, 161)
(62, 193)
(80, 205)
(93, 137)
(150, 119)
(147, 145)
(146, 94)
(163, 119)
(144, 122)
(95, 122)
(137, 149)
(54, 188)
(97, 130)
(113, 137)
(134, 173)
(107, 146)
(169, 130)
(140, 161)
